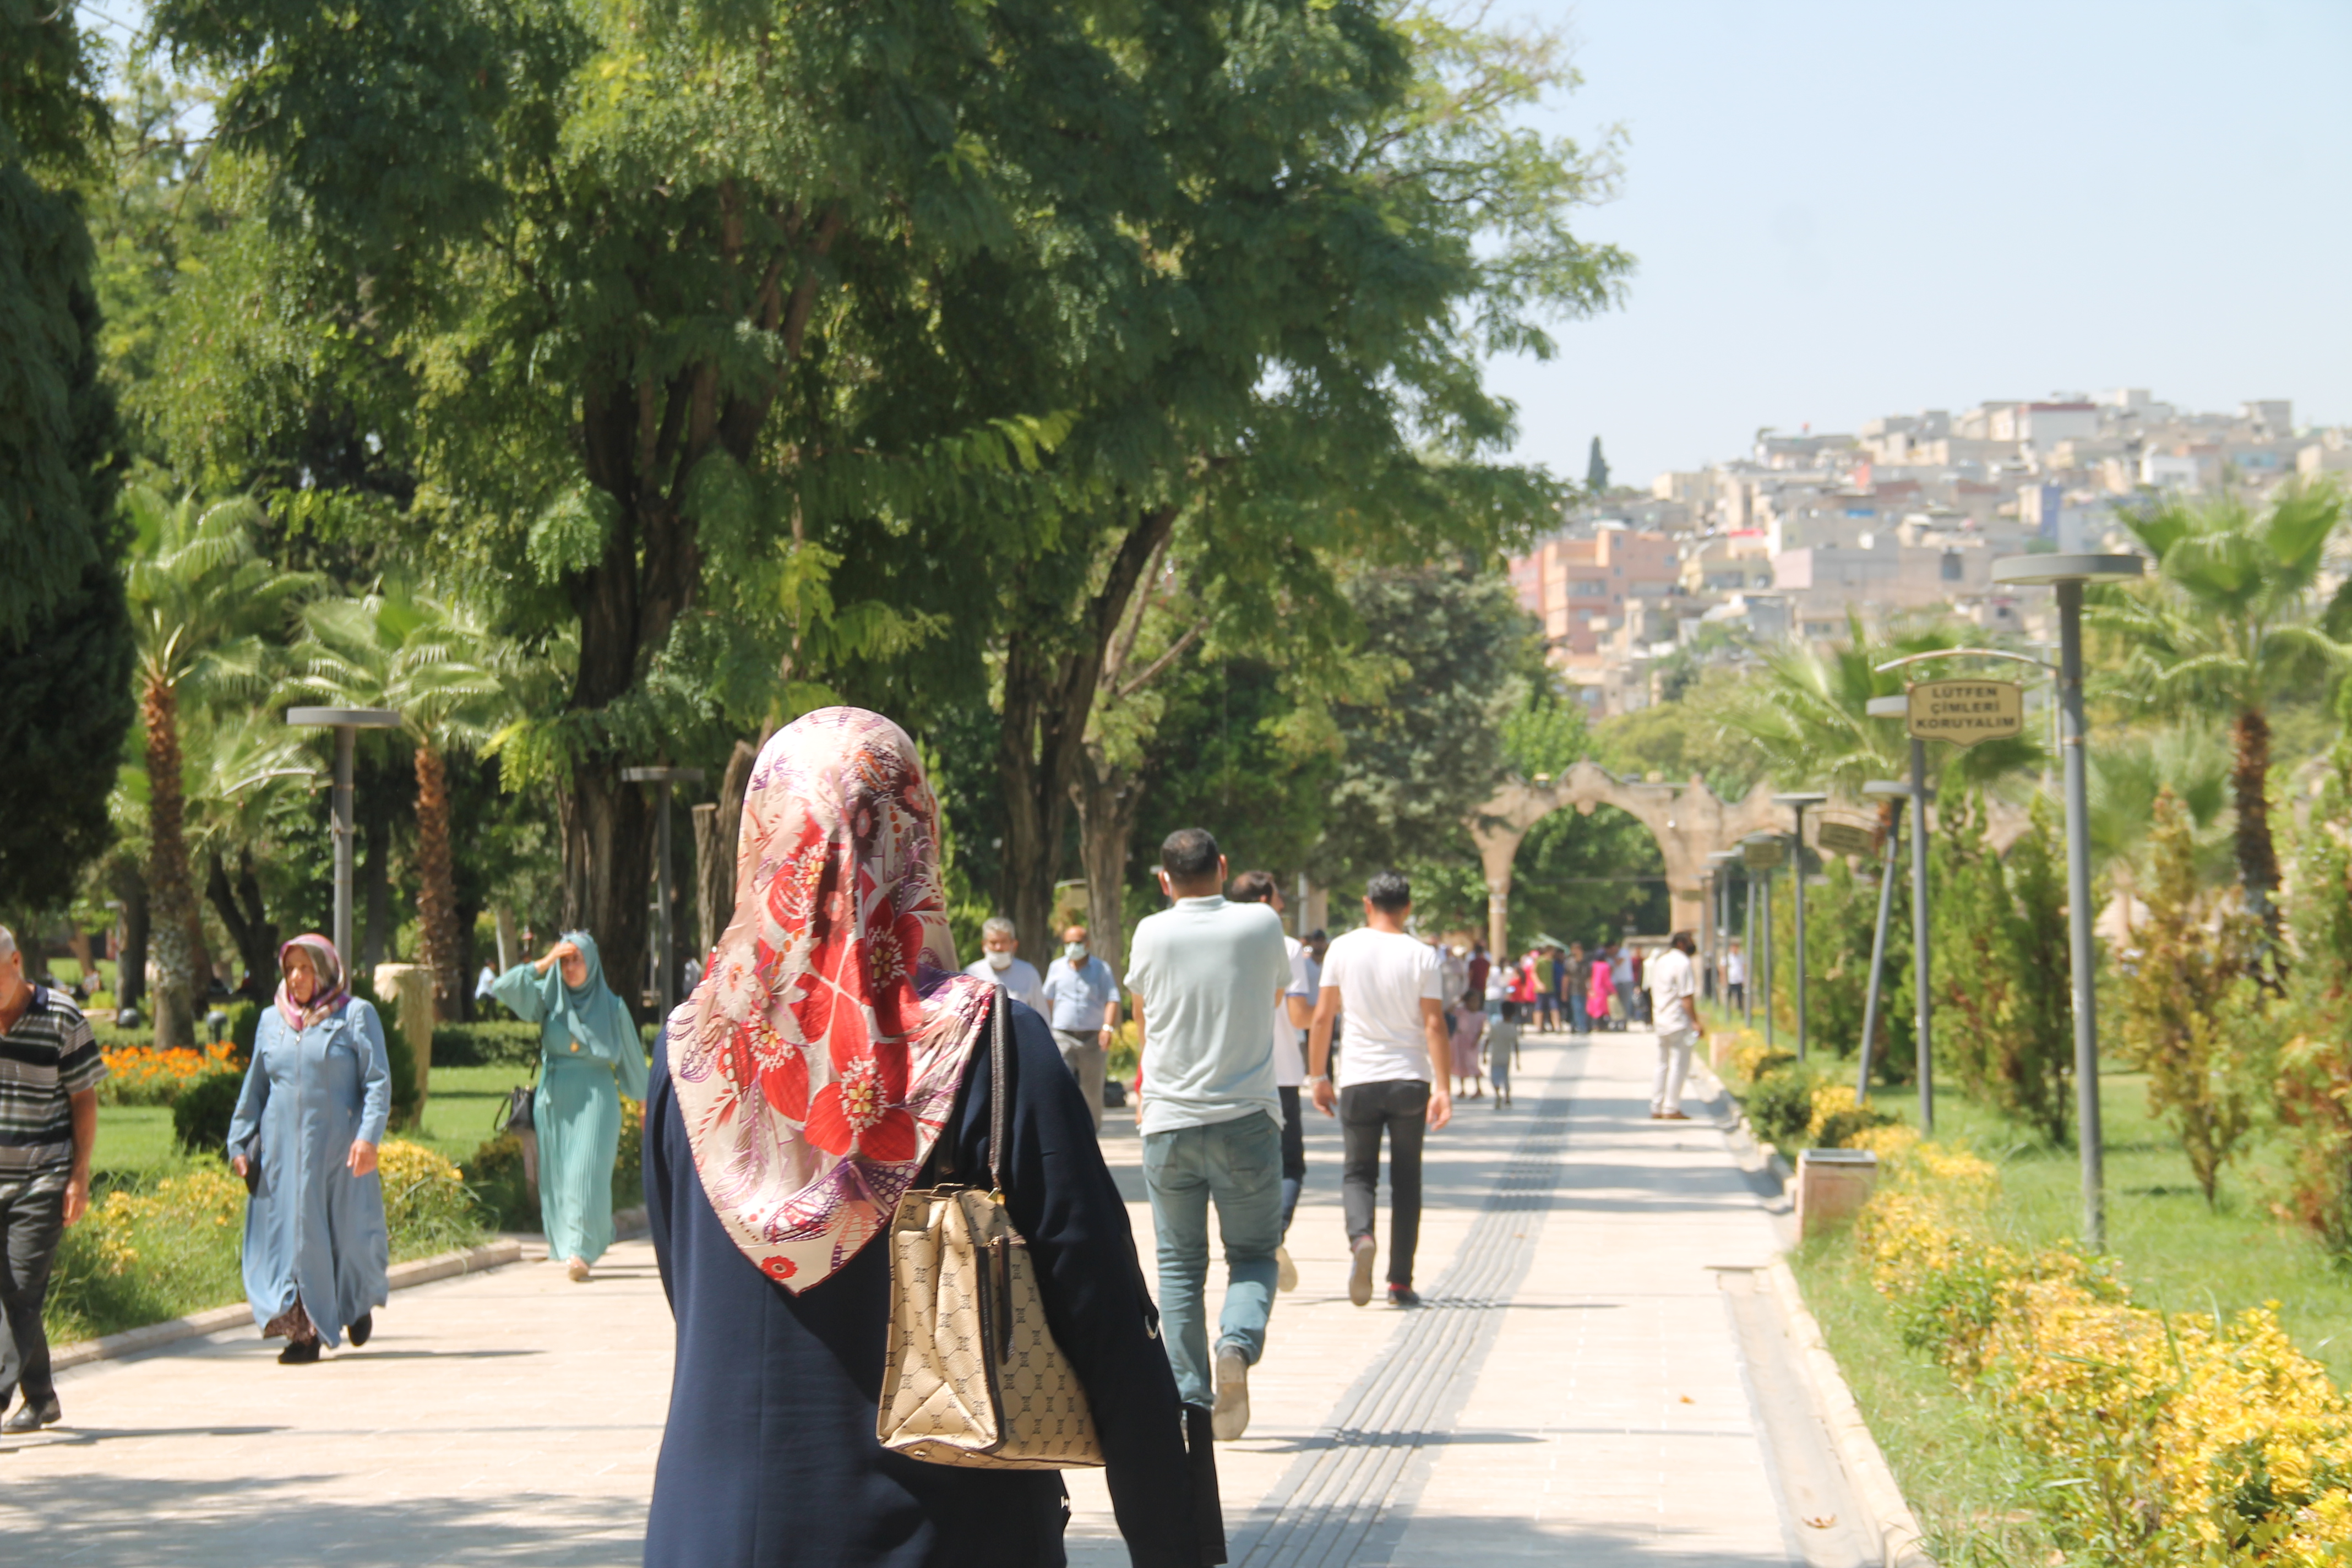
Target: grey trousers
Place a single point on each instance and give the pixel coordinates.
(30, 1224)
(1084, 1055)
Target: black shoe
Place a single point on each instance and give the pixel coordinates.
(35, 1414)
(301, 1352)
(1403, 1296)
(360, 1331)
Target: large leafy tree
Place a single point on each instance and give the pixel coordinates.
(2228, 625)
(1354, 220)
(432, 663)
(207, 609)
(65, 644)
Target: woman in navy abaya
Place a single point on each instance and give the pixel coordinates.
(829, 1047)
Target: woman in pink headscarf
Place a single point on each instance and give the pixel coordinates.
(830, 1051)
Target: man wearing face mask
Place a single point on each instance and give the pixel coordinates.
(1082, 1003)
(999, 964)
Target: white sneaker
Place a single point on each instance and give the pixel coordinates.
(1360, 1277)
(1230, 1418)
(1285, 1272)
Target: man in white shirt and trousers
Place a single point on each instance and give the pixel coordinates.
(1001, 965)
(1673, 987)
(1390, 986)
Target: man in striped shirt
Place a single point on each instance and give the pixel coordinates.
(49, 1068)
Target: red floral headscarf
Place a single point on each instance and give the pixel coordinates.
(819, 1057)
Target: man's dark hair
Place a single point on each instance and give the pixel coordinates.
(1685, 942)
(1319, 934)
(1252, 888)
(1389, 892)
(1189, 854)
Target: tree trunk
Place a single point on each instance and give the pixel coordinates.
(375, 887)
(1053, 662)
(130, 963)
(243, 915)
(1108, 799)
(718, 836)
(2258, 871)
(436, 891)
(608, 845)
(172, 901)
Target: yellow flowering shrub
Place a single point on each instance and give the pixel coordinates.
(207, 1198)
(2160, 1438)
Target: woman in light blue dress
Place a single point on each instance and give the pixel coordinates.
(588, 1056)
(304, 1137)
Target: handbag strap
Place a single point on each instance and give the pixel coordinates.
(1000, 1047)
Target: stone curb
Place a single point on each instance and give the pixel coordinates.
(627, 1224)
(1897, 1528)
(1892, 1522)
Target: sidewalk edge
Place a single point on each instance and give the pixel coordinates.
(1896, 1527)
(403, 1276)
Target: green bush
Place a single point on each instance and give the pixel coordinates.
(244, 1023)
(1839, 1127)
(201, 1115)
(492, 1043)
(494, 1174)
(1779, 1105)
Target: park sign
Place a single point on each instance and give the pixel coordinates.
(1966, 711)
(1765, 856)
(1845, 838)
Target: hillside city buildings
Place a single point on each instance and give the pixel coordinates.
(1902, 518)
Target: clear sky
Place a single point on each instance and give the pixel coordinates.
(1842, 208)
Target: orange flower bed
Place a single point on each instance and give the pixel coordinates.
(141, 1075)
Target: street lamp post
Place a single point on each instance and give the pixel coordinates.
(1923, 1004)
(2067, 574)
(1720, 866)
(1797, 804)
(1748, 915)
(346, 723)
(665, 974)
(1888, 859)
(1762, 958)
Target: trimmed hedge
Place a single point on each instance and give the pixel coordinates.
(496, 1042)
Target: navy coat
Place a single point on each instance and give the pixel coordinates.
(769, 1457)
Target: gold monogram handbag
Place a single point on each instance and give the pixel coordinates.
(973, 1376)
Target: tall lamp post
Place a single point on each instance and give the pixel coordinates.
(1720, 866)
(665, 974)
(2067, 574)
(346, 723)
(1923, 1004)
(1764, 846)
(1797, 803)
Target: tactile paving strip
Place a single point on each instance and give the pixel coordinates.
(1329, 1503)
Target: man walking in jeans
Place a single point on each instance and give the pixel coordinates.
(1389, 985)
(49, 1068)
(1206, 975)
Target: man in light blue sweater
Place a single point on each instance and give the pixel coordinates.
(1205, 975)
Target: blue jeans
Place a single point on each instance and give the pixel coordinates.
(1577, 1022)
(1238, 1164)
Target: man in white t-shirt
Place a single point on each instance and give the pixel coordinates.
(1000, 965)
(1673, 988)
(1735, 976)
(1205, 975)
(1388, 984)
(1293, 1010)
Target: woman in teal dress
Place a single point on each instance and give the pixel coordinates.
(588, 1056)
(308, 1123)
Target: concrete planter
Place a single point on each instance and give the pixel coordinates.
(1831, 1186)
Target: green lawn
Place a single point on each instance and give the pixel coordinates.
(134, 1141)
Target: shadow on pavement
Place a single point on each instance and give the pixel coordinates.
(234, 1523)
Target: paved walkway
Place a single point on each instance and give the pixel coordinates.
(1592, 1379)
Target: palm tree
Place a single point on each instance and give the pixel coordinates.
(431, 662)
(249, 777)
(2130, 772)
(2226, 627)
(204, 603)
(1807, 713)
